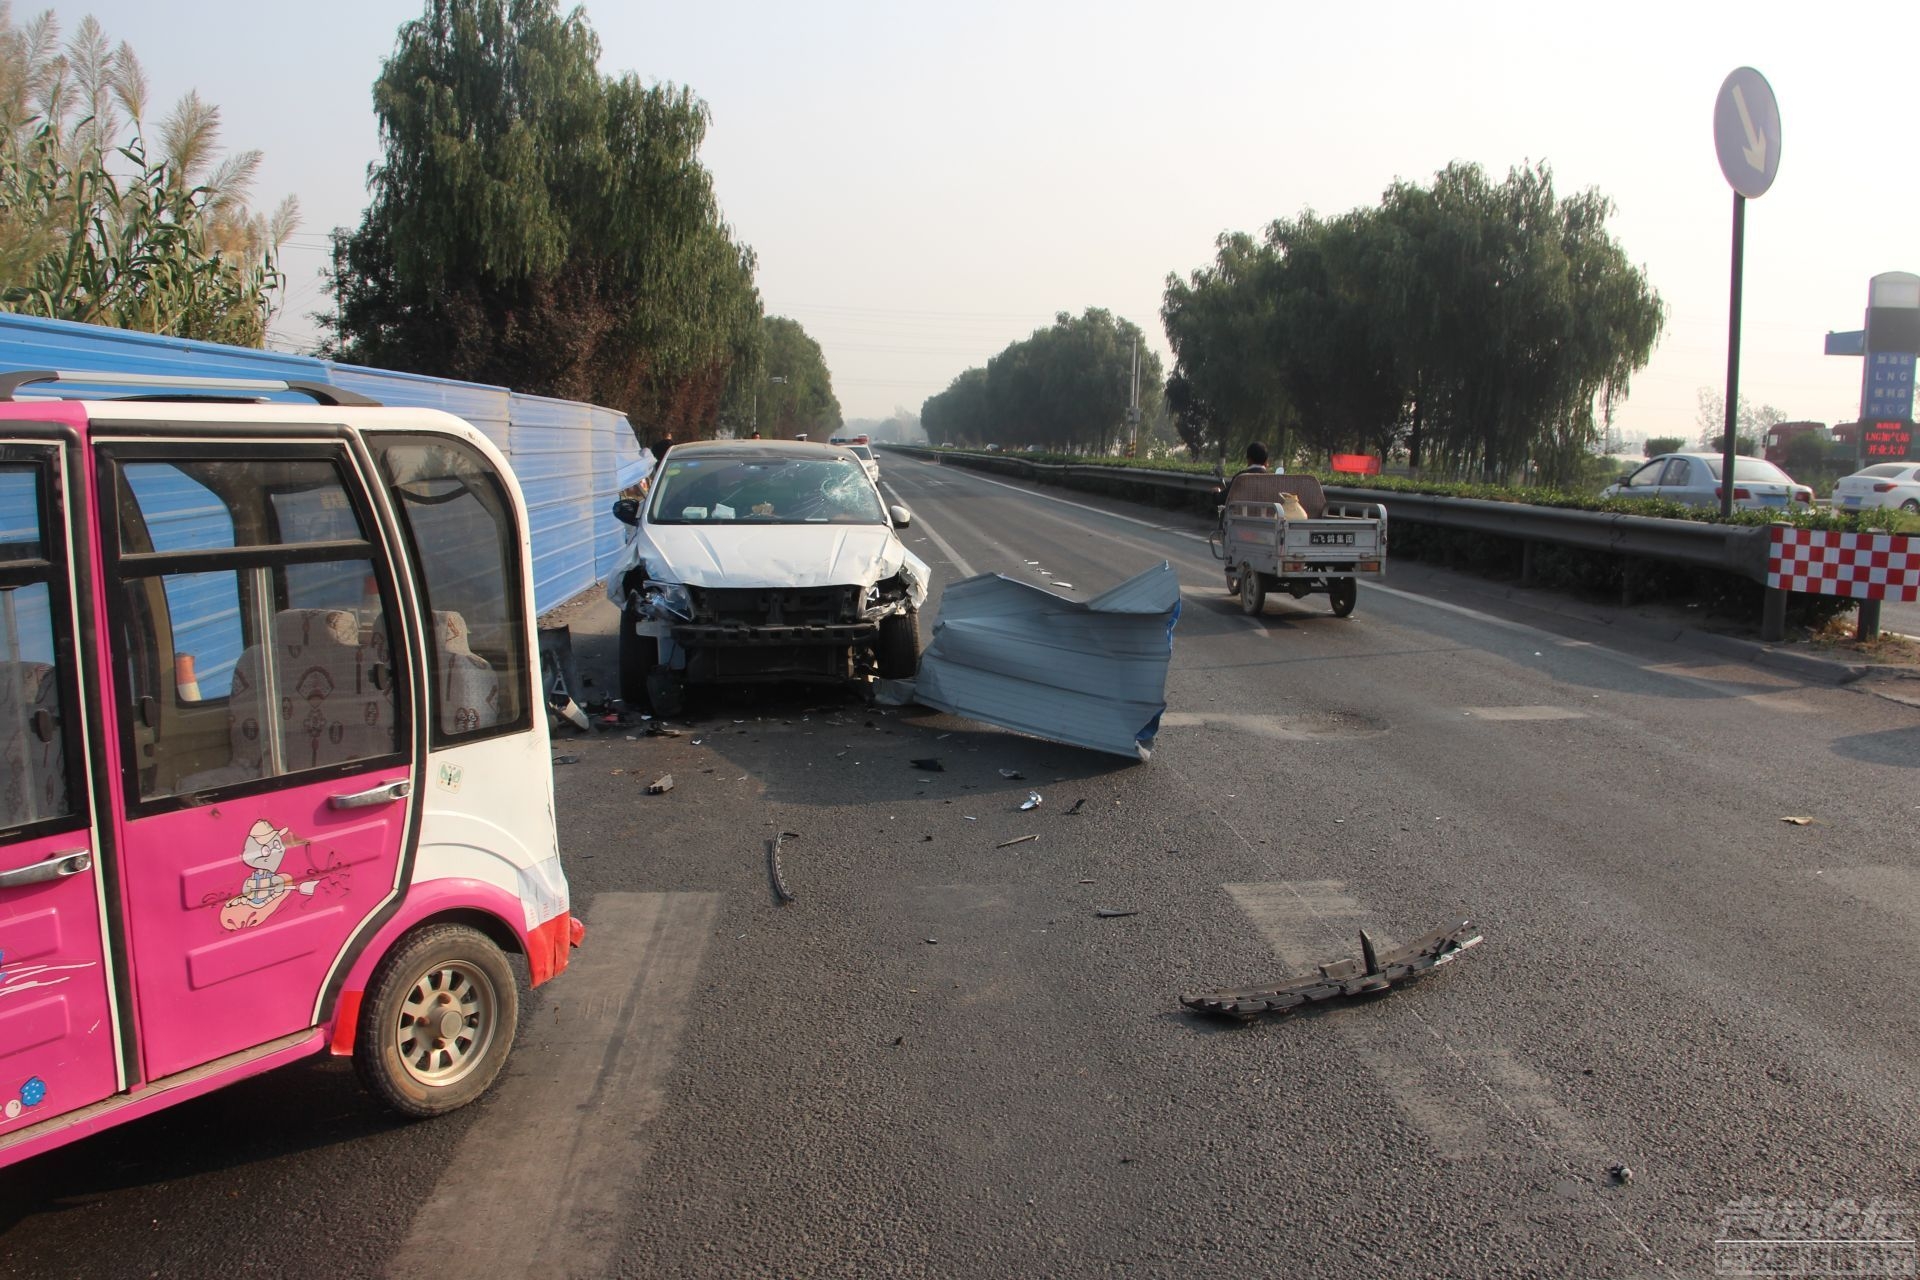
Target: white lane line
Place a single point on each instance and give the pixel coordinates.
(1295, 916)
(532, 1187)
(1523, 713)
(954, 558)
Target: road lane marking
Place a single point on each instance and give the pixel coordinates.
(535, 1186)
(1523, 713)
(1301, 728)
(954, 558)
(1296, 917)
(1454, 1096)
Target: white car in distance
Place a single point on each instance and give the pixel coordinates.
(867, 460)
(1693, 479)
(1884, 484)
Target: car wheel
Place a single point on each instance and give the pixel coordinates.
(667, 691)
(1253, 591)
(438, 1021)
(897, 651)
(1343, 594)
(638, 655)
(1911, 504)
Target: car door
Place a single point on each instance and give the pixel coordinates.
(1687, 480)
(58, 1032)
(1645, 482)
(265, 748)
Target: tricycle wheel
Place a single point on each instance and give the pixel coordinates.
(1233, 583)
(1253, 591)
(438, 1021)
(1344, 593)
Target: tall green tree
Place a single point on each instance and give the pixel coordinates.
(537, 224)
(100, 225)
(794, 394)
(1066, 388)
(1491, 326)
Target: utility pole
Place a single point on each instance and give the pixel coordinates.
(1133, 405)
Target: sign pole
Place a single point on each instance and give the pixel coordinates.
(1733, 353)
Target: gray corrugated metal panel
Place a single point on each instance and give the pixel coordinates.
(486, 407)
(28, 342)
(1023, 658)
(1154, 591)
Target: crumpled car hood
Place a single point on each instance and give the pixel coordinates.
(779, 555)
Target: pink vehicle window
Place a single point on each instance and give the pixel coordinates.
(34, 775)
(466, 544)
(254, 626)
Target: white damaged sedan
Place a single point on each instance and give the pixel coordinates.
(763, 560)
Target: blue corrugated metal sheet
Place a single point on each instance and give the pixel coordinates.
(30, 343)
(486, 407)
(553, 445)
(572, 459)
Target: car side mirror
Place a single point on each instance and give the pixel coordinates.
(627, 510)
(900, 515)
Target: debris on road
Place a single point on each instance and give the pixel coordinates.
(1013, 775)
(660, 785)
(1372, 972)
(566, 759)
(1799, 822)
(1019, 840)
(1620, 1174)
(928, 764)
(1077, 806)
(1110, 913)
(774, 869)
(994, 656)
(1031, 802)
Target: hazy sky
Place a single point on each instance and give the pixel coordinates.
(924, 184)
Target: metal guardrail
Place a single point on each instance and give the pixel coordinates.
(1738, 549)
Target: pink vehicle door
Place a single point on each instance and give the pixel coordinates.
(58, 1035)
(265, 742)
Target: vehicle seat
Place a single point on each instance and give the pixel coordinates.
(1265, 486)
(469, 692)
(329, 712)
(33, 774)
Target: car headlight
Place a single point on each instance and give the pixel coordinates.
(658, 599)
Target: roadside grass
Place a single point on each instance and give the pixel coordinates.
(1835, 638)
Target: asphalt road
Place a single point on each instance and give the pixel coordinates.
(938, 1061)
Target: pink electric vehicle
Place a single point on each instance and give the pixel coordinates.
(274, 780)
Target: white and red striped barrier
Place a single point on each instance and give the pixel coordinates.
(1861, 566)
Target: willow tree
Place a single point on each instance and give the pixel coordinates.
(537, 224)
(101, 223)
(1490, 325)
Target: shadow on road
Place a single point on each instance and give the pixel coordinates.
(1897, 747)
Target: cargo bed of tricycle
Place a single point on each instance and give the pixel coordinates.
(1324, 548)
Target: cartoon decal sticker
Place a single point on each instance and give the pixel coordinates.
(31, 1095)
(25, 977)
(265, 889)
